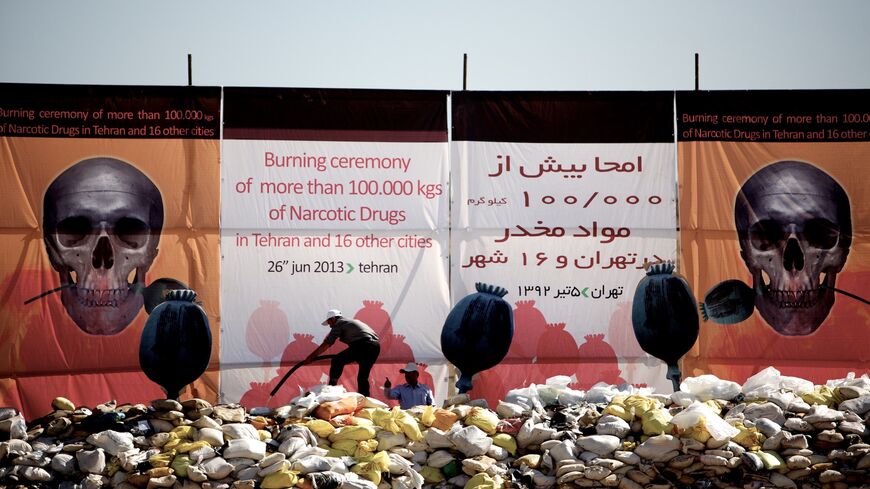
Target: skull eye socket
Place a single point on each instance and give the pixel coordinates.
(131, 232)
(72, 231)
(766, 235)
(822, 233)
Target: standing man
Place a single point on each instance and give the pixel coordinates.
(411, 393)
(363, 347)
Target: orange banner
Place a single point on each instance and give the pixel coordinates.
(100, 219)
(788, 252)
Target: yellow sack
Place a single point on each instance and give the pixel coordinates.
(368, 445)
(172, 444)
(160, 439)
(617, 408)
(482, 480)
(365, 413)
(387, 419)
(431, 475)
(427, 417)
(531, 460)
(280, 480)
(505, 441)
(822, 394)
(353, 433)
(112, 466)
(697, 432)
(772, 460)
(350, 420)
(320, 427)
(715, 406)
(185, 432)
(656, 422)
(409, 425)
(372, 467)
(749, 438)
(180, 464)
(264, 435)
(336, 453)
(162, 459)
(381, 461)
(483, 418)
(637, 405)
(190, 446)
(366, 471)
(444, 419)
(347, 446)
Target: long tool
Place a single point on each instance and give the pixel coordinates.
(290, 372)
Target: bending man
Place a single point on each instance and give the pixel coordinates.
(363, 347)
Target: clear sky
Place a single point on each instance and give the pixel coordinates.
(407, 44)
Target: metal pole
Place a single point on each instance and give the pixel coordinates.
(464, 71)
(697, 81)
(189, 70)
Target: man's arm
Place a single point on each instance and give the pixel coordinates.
(317, 351)
(390, 393)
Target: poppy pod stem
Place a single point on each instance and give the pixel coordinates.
(675, 375)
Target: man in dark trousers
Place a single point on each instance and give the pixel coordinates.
(411, 393)
(363, 347)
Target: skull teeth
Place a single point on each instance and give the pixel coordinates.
(101, 297)
(794, 298)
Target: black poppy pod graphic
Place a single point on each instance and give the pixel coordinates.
(728, 302)
(665, 317)
(477, 333)
(176, 342)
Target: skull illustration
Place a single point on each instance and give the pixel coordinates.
(101, 222)
(795, 229)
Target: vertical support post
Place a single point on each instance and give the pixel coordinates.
(189, 70)
(697, 80)
(464, 71)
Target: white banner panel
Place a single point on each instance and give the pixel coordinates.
(566, 229)
(334, 185)
(310, 226)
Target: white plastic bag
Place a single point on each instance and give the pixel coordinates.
(436, 438)
(532, 433)
(399, 465)
(387, 440)
(717, 427)
(509, 410)
(439, 458)
(352, 481)
(527, 397)
(707, 387)
(769, 380)
(471, 441)
(760, 385)
(569, 397)
(601, 393)
(850, 380)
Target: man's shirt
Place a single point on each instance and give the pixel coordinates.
(409, 396)
(350, 331)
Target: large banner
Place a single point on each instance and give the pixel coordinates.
(332, 199)
(106, 189)
(562, 198)
(775, 214)
(309, 200)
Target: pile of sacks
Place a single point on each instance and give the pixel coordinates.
(773, 431)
